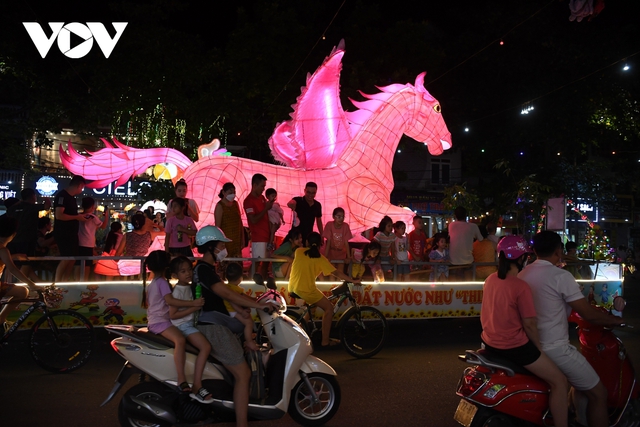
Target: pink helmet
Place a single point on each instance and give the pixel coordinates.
(513, 246)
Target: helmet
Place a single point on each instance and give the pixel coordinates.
(513, 246)
(210, 233)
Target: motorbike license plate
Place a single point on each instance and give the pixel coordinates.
(465, 413)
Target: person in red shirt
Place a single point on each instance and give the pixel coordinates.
(256, 207)
(417, 242)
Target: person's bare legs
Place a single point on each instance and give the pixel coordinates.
(18, 293)
(200, 342)
(65, 267)
(327, 318)
(241, 375)
(174, 334)
(558, 400)
(597, 413)
(249, 342)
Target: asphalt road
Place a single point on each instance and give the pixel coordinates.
(410, 383)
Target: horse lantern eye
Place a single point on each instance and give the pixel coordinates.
(437, 108)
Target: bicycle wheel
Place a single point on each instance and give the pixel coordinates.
(61, 341)
(363, 332)
(297, 317)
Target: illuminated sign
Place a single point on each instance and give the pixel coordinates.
(46, 186)
(121, 190)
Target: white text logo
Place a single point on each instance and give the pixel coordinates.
(62, 32)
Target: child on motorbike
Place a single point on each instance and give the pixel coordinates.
(183, 318)
(158, 299)
(509, 328)
(308, 263)
(238, 312)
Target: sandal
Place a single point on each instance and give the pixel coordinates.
(332, 343)
(202, 396)
(184, 387)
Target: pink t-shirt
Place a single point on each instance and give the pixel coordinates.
(87, 231)
(336, 237)
(158, 310)
(504, 304)
(172, 229)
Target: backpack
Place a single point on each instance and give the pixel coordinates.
(257, 387)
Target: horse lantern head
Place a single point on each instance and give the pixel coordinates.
(426, 124)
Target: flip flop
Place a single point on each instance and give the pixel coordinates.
(184, 387)
(201, 396)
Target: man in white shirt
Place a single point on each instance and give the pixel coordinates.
(461, 237)
(555, 294)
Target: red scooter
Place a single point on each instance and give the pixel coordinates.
(498, 393)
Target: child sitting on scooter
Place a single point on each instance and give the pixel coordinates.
(158, 299)
(238, 312)
(183, 318)
(308, 263)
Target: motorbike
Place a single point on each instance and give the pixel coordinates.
(498, 393)
(294, 382)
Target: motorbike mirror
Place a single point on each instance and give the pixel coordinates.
(619, 303)
(257, 278)
(271, 283)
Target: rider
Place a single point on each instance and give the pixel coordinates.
(8, 227)
(508, 320)
(308, 263)
(555, 294)
(214, 320)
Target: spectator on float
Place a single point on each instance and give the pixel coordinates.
(484, 251)
(440, 255)
(135, 243)
(67, 223)
(308, 210)
(337, 235)
(190, 209)
(26, 212)
(417, 243)
(461, 237)
(402, 254)
(387, 240)
(87, 231)
(291, 242)
(113, 238)
(228, 218)
(179, 230)
(276, 217)
(256, 207)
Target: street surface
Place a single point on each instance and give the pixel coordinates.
(411, 382)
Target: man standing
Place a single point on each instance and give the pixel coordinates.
(256, 207)
(461, 237)
(308, 210)
(555, 294)
(65, 228)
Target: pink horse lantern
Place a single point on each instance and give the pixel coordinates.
(348, 154)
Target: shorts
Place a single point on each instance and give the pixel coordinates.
(187, 328)
(310, 297)
(158, 328)
(403, 268)
(578, 371)
(4, 288)
(523, 355)
(67, 246)
(385, 263)
(85, 251)
(258, 249)
(225, 346)
(277, 270)
(357, 270)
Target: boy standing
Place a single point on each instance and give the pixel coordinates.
(87, 230)
(417, 242)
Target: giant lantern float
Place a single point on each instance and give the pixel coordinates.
(348, 154)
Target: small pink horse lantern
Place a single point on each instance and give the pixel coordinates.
(348, 154)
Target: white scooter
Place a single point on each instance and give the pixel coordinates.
(295, 381)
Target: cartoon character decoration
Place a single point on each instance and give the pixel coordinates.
(89, 299)
(348, 154)
(113, 310)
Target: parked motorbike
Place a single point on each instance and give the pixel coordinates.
(498, 393)
(295, 381)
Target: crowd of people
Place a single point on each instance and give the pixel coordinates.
(524, 310)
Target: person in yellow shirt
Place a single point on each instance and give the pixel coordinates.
(308, 263)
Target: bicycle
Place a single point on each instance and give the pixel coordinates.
(60, 340)
(362, 328)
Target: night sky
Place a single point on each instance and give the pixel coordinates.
(481, 83)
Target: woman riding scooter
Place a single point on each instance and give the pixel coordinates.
(214, 321)
(508, 320)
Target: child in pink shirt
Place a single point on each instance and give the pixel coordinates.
(337, 233)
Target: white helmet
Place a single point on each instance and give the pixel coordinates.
(210, 233)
